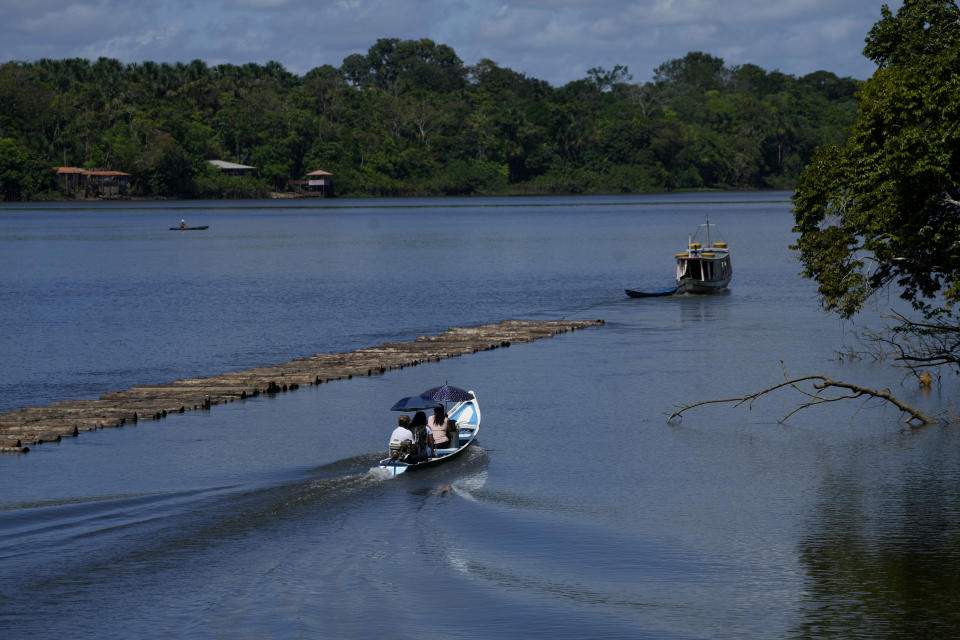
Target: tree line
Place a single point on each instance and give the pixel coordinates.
(409, 118)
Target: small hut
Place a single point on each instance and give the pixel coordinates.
(317, 184)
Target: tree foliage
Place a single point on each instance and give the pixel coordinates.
(883, 208)
(409, 118)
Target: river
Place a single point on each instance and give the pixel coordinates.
(581, 514)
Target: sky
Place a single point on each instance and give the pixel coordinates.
(553, 40)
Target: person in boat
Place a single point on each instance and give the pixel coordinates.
(183, 224)
(441, 428)
(422, 438)
(401, 440)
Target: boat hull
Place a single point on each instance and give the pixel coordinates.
(189, 228)
(698, 274)
(702, 286)
(467, 416)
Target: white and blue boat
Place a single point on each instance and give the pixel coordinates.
(466, 415)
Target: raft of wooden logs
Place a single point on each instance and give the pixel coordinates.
(35, 425)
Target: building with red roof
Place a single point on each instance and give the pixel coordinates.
(92, 183)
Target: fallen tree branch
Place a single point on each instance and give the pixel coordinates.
(918, 344)
(915, 416)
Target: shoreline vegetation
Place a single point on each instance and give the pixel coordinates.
(281, 195)
(22, 428)
(409, 119)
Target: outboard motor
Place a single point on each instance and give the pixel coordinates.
(400, 450)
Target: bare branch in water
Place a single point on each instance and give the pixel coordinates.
(820, 383)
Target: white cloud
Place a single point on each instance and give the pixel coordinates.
(139, 46)
(553, 40)
(55, 22)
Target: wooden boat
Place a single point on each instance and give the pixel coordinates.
(190, 228)
(466, 415)
(633, 293)
(705, 266)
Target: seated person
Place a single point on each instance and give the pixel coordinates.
(400, 435)
(422, 438)
(442, 429)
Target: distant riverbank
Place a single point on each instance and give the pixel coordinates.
(281, 195)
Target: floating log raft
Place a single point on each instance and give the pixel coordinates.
(36, 425)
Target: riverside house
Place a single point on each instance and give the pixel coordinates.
(92, 183)
(232, 168)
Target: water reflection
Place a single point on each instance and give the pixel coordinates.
(704, 308)
(882, 550)
(462, 477)
(463, 487)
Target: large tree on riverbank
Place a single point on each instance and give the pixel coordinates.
(882, 210)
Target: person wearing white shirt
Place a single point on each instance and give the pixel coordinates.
(401, 433)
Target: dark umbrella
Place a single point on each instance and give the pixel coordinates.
(447, 393)
(415, 403)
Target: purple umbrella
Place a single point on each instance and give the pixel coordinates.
(447, 393)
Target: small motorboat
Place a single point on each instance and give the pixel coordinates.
(705, 266)
(465, 414)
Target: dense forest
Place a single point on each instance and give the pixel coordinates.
(409, 118)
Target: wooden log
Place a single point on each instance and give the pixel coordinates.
(34, 425)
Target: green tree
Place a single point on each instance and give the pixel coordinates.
(22, 172)
(694, 70)
(883, 209)
(165, 169)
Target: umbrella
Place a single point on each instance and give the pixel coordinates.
(447, 393)
(415, 403)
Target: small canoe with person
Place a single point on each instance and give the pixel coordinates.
(461, 424)
(183, 227)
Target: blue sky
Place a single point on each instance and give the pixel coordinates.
(552, 40)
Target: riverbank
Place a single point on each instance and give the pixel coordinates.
(519, 192)
(29, 426)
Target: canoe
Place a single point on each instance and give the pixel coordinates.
(466, 414)
(633, 293)
(190, 228)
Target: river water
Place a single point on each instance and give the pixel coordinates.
(581, 514)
